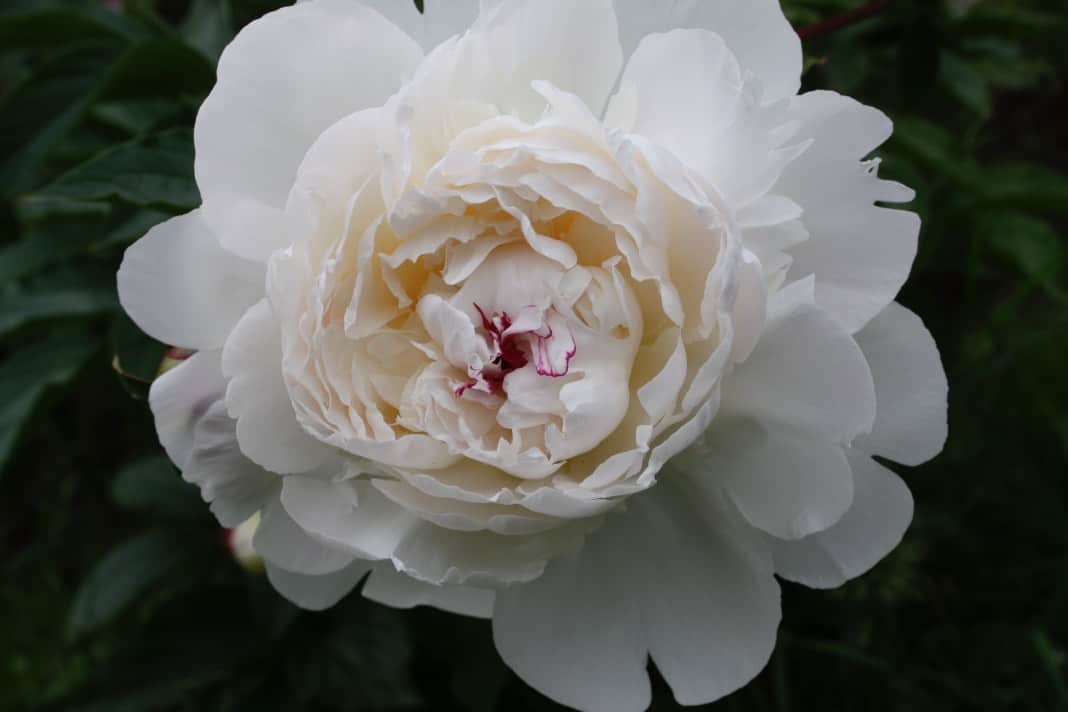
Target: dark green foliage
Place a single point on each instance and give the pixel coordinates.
(118, 592)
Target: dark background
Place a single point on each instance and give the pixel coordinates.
(117, 594)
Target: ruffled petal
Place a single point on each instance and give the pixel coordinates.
(871, 529)
(685, 91)
(360, 519)
(267, 427)
(756, 31)
(574, 46)
(910, 388)
(182, 288)
(390, 588)
(282, 81)
(860, 253)
(285, 544)
(236, 487)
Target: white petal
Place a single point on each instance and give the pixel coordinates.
(691, 584)
(881, 512)
(181, 396)
(806, 373)
(711, 604)
(861, 254)
(282, 81)
(368, 525)
(326, 190)
(465, 516)
(688, 95)
(390, 588)
(788, 483)
(910, 388)
(442, 556)
(284, 543)
(235, 486)
(750, 308)
(182, 288)
(756, 31)
(362, 521)
(573, 46)
(317, 593)
(575, 634)
(267, 427)
(439, 20)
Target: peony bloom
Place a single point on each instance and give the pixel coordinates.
(570, 314)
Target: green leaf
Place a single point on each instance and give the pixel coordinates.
(55, 302)
(1029, 186)
(29, 255)
(136, 116)
(128, 571)
(49, 23)
(48, 104)
(1028, 242)
(966, 84)
(363, 663)
(938, 149)
(130, 229)
(174, 659)
(136, 356)
(55, 237)
(163, 68)
(27, 376)
(154, 486)
(153, 171)
(209, 27)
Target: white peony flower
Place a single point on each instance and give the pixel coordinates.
(569, 314)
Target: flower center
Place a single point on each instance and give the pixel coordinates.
(514, 343)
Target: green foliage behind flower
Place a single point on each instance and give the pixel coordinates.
(119, 593)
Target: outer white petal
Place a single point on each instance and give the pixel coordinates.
(788, 483)
(575, 634)
(267, 427)
(806, 373)
(881, 512)
(910, 388)
(235, 486)
(183, 288)
(394, 589)
(284, 543)
(317, 593)
(861, 254)
(711, 606)
(756, 31)
(180, 397)
(691, 584)
(282, 81)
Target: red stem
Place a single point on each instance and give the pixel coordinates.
(841, 20)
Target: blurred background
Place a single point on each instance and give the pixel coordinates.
(118, 593)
